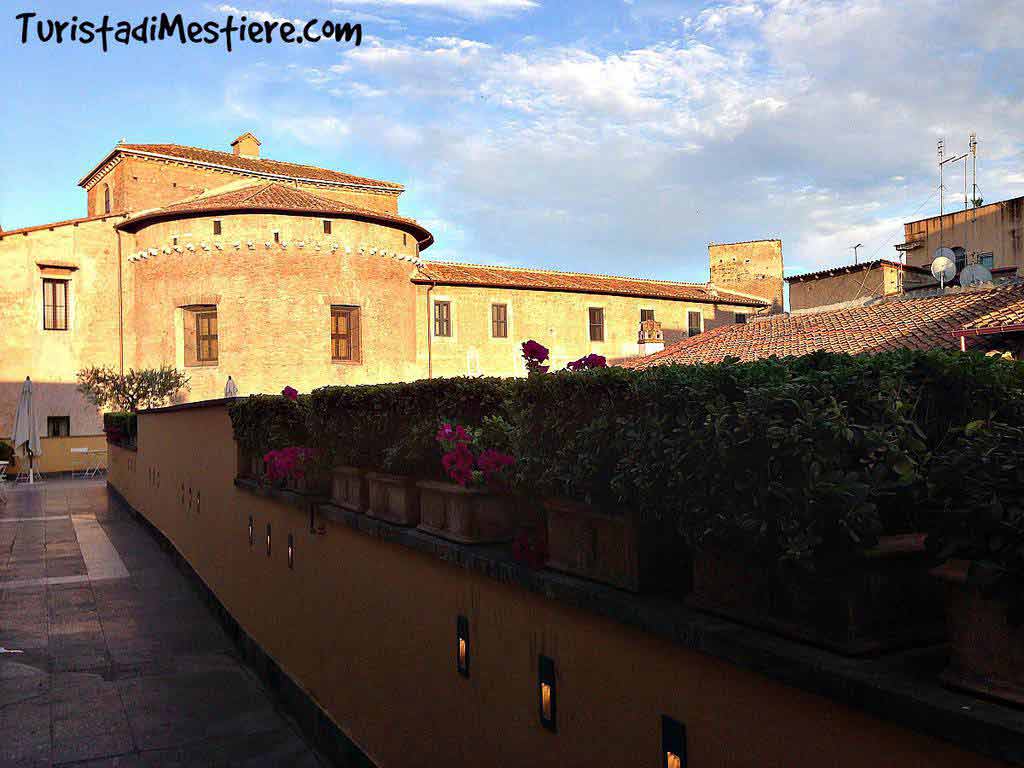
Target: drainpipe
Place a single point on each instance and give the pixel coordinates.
(120, 303)
(430, 360)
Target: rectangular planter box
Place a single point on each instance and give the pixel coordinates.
(393, 498)
(885, 600)
(349, 489)
(611, 549)
(986, 653)
(466, 515)
(313, 484)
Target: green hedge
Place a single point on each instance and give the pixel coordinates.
(121, 428)
(800, 458)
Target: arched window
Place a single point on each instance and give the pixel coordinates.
(106, 198)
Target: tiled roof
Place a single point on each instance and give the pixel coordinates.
(908, 323)
(1001, 318)
(275, 197)
(846, 268)
(446, 273)
(52, 225)
(253, 165)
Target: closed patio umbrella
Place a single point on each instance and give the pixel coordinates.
(26, 432)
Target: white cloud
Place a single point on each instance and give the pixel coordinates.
(474, 9)
(786, 118)
(257, 15)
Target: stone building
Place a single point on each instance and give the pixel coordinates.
(854, 284)
(227, 263)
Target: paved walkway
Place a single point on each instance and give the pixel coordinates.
(108, 657)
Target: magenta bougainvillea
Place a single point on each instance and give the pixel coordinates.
(291, 393)
(586, 363)
(535, 353)
(467, 466)
(288, 463)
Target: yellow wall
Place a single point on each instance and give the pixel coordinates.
(559, 321)
(367, 627)
(57, 456)
(996, 228)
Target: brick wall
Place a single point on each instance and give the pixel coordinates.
(52, 357)
(753, 268)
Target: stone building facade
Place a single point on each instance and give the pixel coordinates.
(226, 263)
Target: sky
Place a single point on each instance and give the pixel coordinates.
(610, 136)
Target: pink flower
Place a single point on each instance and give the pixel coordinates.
(535, 352)
(459, 464)
(590, 361)
(291, 393)
(491, 461)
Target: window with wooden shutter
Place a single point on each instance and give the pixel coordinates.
(345, 334)
(499, 321)
(694, 323)
(646, 314)
(206, 336)
(55, 305)
(596, 324)
(442, 318)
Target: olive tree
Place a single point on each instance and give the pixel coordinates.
(128, 392)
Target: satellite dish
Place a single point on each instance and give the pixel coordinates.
(975, 274)
(943, 266)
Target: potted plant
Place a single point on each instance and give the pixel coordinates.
(349, 489)
(805, 523)
(980, 537)
(295, 468)
(474, 507)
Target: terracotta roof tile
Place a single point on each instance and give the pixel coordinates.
(275, 197)
(446, 273)
(908, 323)
(253, 165)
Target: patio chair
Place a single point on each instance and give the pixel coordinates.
(79, 462)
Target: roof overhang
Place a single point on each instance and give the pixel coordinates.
(423, 237)
(426, 280)
(962, 332)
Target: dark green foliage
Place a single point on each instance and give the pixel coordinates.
(807, 459)
(121, 428)
(979, 489)
(7, 453)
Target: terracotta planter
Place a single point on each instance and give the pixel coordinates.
(312, 484)
(986, 653)
(466, 515)
(392, 498)
(612, 549)
(884, 600)
(349, 489)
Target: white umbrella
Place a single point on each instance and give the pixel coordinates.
(26, 431)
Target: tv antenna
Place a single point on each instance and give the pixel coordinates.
(943, 266)
(854, 249)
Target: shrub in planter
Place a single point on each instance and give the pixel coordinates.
(474, 507)
(265, 423)
(979, 484)
(120, 428)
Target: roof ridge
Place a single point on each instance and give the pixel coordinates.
(427, 263)
(257, 159)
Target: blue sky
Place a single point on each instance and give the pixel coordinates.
(611, 136)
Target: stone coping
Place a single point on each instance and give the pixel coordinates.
(220, 402)
(900, 687)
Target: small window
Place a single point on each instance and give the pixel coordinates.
(499, 321)
(58, 426)
(986, 260)
(596, 324)
(741, 318)
(216, 227)
(106, 198)
(174, 239)
(345, 334)
(327, 227)
(442, 318)
(277, 236)
(55, 305)
(646, 314)
(404, 239)
(694, 323)
(206, 336)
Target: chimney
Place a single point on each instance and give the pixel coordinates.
(246, 145)
(651, 339)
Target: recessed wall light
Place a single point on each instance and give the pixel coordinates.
(462, 645)
(291, 551)
(548, 693)
(268, 539)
